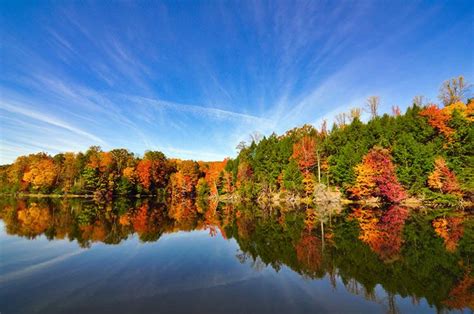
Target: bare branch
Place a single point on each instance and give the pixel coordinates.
(453, 90)
(373, 103)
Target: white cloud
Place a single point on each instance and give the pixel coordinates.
(198, 110)
(42, 117)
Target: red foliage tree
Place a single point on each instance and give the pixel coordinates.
(376, 177)
(304, 152)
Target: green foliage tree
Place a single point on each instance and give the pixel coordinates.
(293, 178)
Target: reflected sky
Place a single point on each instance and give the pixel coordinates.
(194, 272)
(182, 272)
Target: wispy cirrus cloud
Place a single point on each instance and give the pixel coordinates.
(208, 112)
(45, 118)
(195, 82)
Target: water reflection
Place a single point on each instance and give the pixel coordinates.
(426, 258)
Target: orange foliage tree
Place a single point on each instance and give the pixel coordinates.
(42, 173)
(304, 152)
(184, 181)
(69, 171)
(376, 177)
(212, 173)
(129, 174)
(100, 160)
(143, 173)
(438, 119)
(443, 179)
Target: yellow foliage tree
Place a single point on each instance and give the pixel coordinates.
(42, 173)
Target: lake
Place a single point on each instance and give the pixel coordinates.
(78, 256)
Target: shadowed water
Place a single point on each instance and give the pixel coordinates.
(127, 256)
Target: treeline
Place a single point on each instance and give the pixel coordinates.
(427, 152)
(105, 174)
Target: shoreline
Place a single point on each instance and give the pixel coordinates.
(273, 200)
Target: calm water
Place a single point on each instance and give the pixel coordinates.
(137, 256)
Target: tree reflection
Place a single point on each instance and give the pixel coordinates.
(410, 255)
(382, 230)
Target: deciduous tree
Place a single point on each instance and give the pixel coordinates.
(304, 152)
(443, 179)
(376, 176)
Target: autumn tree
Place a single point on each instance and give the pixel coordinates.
(376, 177)
(129, 173)
(16, 171)
(304, 153)
(122, 158)
(244, 172)
(42, 173)
(127, 182)
(438, 119)
(69, 171)
(443, 179)
(143, 172)
(309, 184)
(213, 174)
(184, 181)
(93, 157)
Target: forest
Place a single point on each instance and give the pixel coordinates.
(425, 154)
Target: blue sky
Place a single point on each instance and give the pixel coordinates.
(193, 78)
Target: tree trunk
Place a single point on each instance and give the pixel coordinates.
(319, 167)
